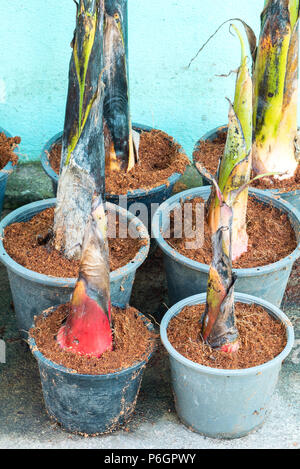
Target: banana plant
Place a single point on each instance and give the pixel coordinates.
(87, 330)
(227, 210)
(82, 172)
(97, 102)
(235, 166)
(275, 79)
(120, 140)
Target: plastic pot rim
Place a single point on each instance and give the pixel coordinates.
(62, 369)
(243, 272)
(130, 194)
(63, 281)
(239, 297)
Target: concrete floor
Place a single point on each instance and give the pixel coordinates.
(25, 424)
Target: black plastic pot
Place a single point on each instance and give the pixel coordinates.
(4, 173)
(293, 197)
(33, 292)
(157, 195)
(89, 404)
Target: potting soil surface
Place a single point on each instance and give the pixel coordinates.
(133, 342)
(159, 157)
(261, 338)
(30, 244)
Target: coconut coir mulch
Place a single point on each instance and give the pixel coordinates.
(7, 147)
(133, 342)
(160, 157)
(271, 237)
(24, 242)
(262, 338)
(209, 153)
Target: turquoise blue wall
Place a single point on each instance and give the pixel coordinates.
(35, 50)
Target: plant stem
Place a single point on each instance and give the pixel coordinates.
(82, 172)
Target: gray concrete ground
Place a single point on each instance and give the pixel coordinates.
(25, 424)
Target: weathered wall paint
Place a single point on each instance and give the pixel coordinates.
(164, 35)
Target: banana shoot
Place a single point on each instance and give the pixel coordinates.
(88, 327)
(219, 324)
(80, 221)
(227, 209)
